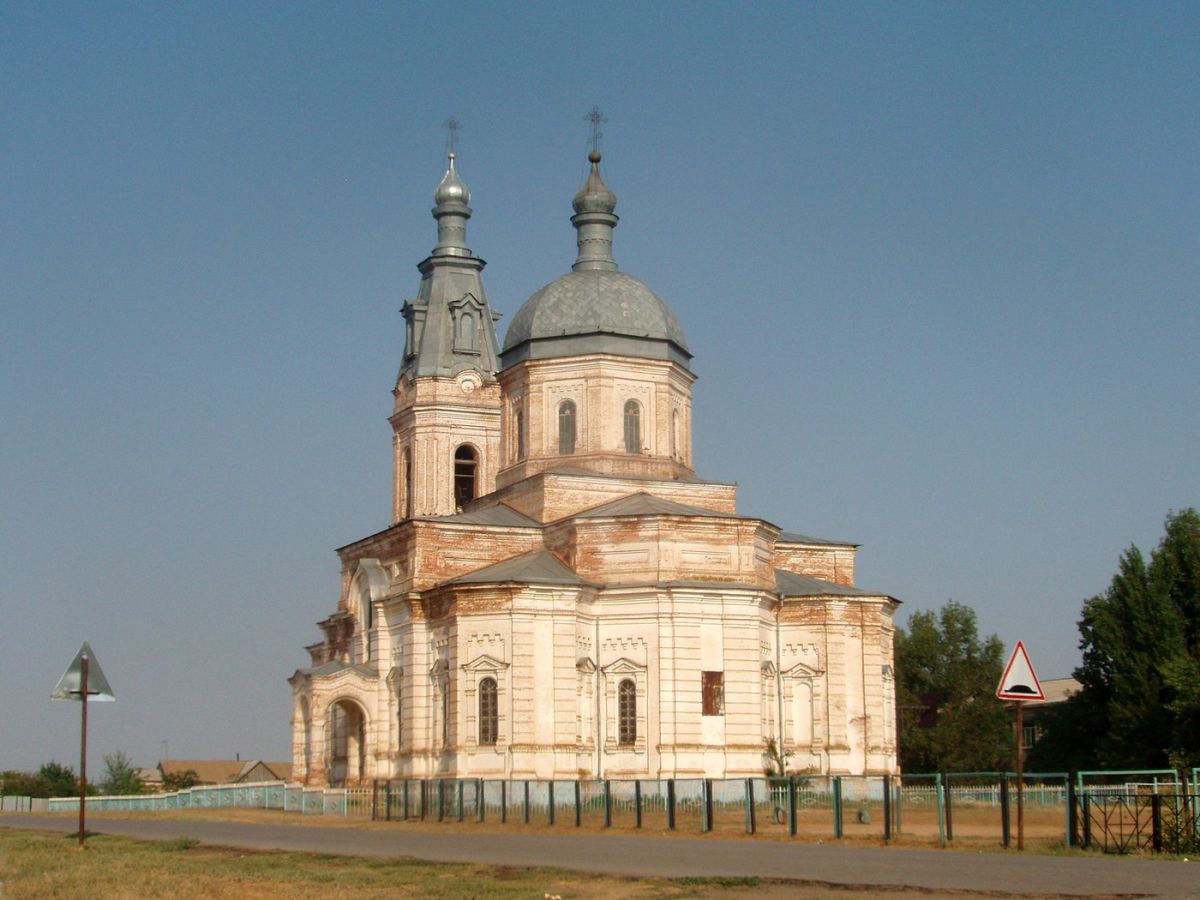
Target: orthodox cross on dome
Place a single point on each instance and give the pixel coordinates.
(597, 119)
(452, 129)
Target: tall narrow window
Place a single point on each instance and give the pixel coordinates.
(713, 687)
(675, 435)
(466, 331)
(566, 427)
(466, 465)
(408, 484)
(626, 713)
(445, 684)
(633, 427)
(519, 416)
(489, 712)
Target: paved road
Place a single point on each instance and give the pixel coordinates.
(624, 854)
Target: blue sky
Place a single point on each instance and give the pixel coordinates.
(938, 265)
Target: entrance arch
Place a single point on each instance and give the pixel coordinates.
(346, 744)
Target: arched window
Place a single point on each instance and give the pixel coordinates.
(566, 427)
(489, 712)
(626, 712)
(466, 465)
(633, 427)
(408, 484)
(466, 331)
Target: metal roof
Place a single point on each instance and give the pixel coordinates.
(792, 537)
(643, 504)
(789, 584)
(500, 515)
(538, 567)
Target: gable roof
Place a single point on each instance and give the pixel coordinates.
(789, 584)
(224, 771)
(538, 567)
(644, 504)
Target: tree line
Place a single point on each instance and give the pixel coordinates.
(53, 779)
(1138, 706)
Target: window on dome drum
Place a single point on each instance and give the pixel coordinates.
(675, 434)
(633, 427)
(713, 687)
(626, 712)
(566, 427)
(489, 712)
(519, 415)
(466, 465)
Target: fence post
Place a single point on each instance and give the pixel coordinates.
(938, 792)
(503, 802)
(887, 808)
(526, 801)
(637, 801)
(1005, 820)
(374, 798)
(387, 799)
(750, 823)
(1072, 810)
(949, 809)
(458, 790)
(671, 804)
(578, 804)
(424, 798)
(480, 799)
(837, 806)
(1087, 823)
(898, 803)
(607, 803)
(708, 804)
(550, 788)
(1156, 822)
(791, 795)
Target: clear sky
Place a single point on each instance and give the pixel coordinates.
(938, 265)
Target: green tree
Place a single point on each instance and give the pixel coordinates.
(52, 779)
(946, 677)
(180, 781)
(120, 777)
(1139, 705)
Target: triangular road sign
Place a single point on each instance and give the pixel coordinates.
(68, 687)
(1019, 682)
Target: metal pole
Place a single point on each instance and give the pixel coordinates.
(83, 695)
(1020, 775)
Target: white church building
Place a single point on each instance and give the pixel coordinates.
(559, 594)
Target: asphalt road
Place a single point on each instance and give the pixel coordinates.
(624, 854)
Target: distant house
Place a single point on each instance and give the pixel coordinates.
(227, 771)
(1057, 690)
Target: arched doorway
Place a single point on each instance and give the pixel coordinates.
(346, 753)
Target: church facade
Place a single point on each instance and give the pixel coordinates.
(559, 594)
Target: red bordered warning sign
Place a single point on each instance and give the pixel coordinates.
(1019, 681)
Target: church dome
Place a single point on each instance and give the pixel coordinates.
(595, 308)
(595, 301)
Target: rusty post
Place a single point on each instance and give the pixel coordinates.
(83, 691)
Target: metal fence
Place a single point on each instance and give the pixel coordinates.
(1117, 812)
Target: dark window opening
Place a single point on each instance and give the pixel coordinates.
(408, 484)
(633, 427)
(489, 712)
(626, 712)
(466, 465)
(713, 686)
(566, 427)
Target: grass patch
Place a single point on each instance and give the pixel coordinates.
(39, 866)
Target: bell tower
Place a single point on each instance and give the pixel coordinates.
(446, 419)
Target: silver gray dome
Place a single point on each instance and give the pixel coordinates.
(594, 301)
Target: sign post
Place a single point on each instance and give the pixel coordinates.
(1019, 683)
(83, 679)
